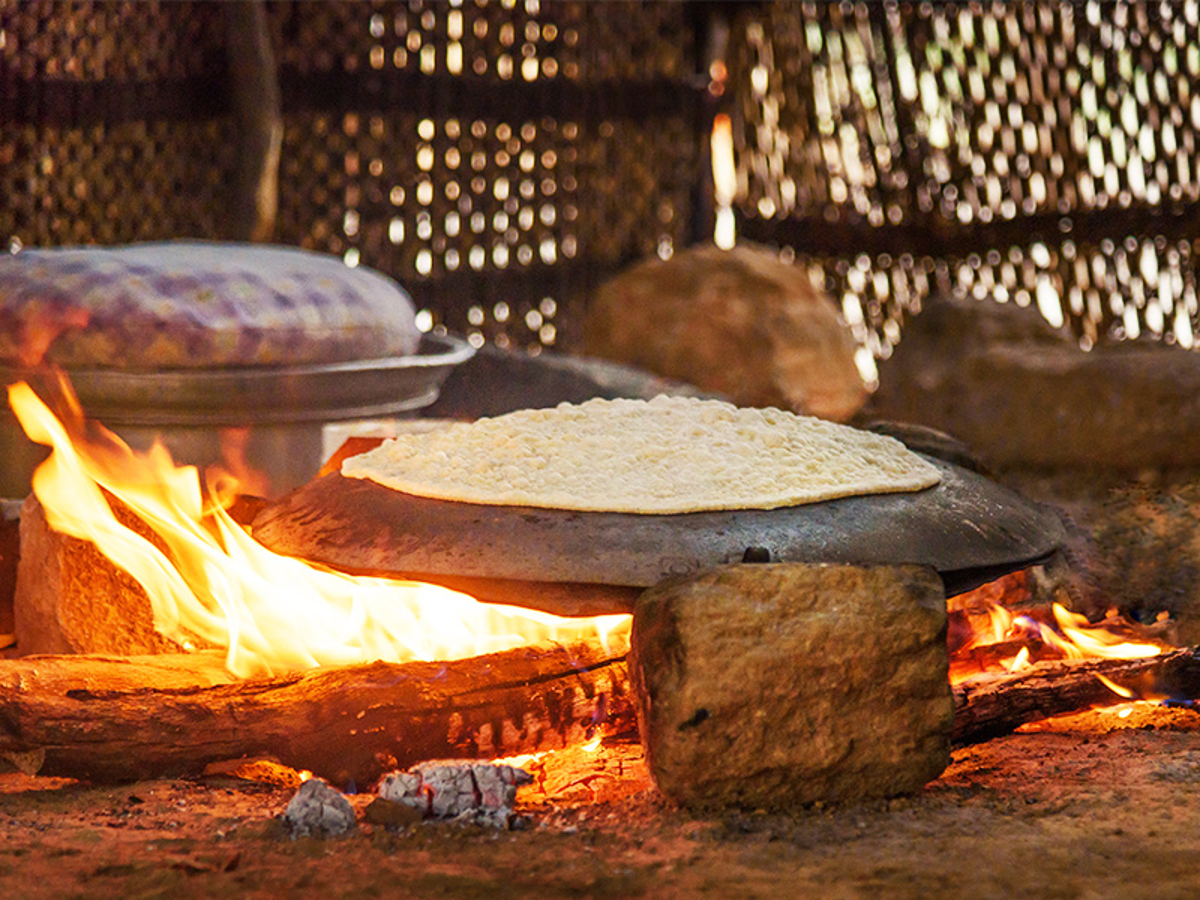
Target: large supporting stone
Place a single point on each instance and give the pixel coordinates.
(776, 685)
(1144, 555)
(1132, 544)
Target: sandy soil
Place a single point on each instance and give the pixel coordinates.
(1095, 806)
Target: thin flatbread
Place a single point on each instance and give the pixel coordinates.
(664, 456)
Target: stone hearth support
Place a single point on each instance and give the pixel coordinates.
(776, 685)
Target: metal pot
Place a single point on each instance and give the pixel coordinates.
(279, 413)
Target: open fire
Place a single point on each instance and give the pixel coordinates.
(988, 637)
(210, 584)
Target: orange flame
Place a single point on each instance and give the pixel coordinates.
(1081, 639)
(210, 583)
(1012, 642)
(1117, 689)
(1020, 661)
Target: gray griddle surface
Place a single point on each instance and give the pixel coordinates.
(967, 527)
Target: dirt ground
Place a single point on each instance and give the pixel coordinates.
(1094, 806)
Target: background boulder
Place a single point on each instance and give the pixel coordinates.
(738, 322)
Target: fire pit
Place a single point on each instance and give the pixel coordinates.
(221, 597)
(150, 716)
(898, 151)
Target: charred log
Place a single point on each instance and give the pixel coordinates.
(115, 720)
(989, 707)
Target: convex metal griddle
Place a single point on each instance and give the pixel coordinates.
(969, 528)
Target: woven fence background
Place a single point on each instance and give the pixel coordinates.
(1043, 154)
(501, 158)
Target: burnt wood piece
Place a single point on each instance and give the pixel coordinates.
(991, 657)
(990, 707)
(968, 528)
(122, 719)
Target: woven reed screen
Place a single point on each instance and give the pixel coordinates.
(498, 158)
(1042, 154)
(110, 127)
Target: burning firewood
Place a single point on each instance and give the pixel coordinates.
(147, 566)
(114, 720)
(994, 705)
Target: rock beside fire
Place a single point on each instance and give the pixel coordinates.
(778, 685)
(70, 599)
(1143, 556)
(740, 322)
(1022, 393)
(318, 810)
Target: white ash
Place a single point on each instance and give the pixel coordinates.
(318, 810)
(452, 789)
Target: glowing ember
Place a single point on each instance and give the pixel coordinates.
(209, 583)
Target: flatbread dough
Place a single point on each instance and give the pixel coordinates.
(663, 456)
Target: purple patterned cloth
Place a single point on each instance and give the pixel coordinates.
(186, 305)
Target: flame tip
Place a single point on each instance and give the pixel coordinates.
(1069, 635)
